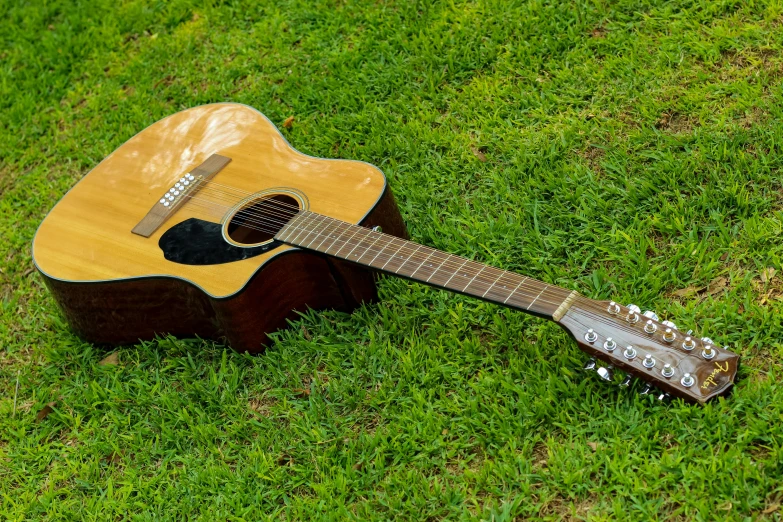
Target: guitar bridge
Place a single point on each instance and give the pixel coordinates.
(185, 187)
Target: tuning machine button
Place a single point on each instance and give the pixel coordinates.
(707, 340)
(646, 389)
(669, 324)
(626, 381)
(667, 370)
(650, 327)
(648, 361)
(664, 396)
(687, 380)
(689, 344)
(649, 314)
(629, 353)
(708, 352)
(591, 336)
(669, 335)
(606, 373)
(634, 308)
(589, 365)
(610, 344)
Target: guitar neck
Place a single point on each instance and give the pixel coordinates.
(395, 256)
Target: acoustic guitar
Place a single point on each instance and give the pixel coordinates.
(209, 223)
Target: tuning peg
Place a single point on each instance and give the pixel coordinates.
(626, 382)
(606, 373)
(646, 389)
(589, 365)
(649, 314)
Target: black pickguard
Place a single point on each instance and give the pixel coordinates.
(199, 242)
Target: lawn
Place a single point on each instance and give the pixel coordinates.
(629, 150)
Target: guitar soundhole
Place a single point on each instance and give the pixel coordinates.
(259, 220)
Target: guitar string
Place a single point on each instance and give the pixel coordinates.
(228, 190)
(382, 255)
(587, 303)
(445, 264)
(386, 256)
(263, 220)
(589, 306)
(278, 205)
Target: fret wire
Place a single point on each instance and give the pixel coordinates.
(281, 236)
(455, 272)
(347, 241)
(302, 229)
(446, 258)
(514, 290)
(444, 262)
(423, 262)
(369, 247)
(392, 256)
(291, 227)
(379, 252)
(354, 248)
(339, 232)
(367, 234)
(482, 267)
(311, 228)
(501, 274)
(493, 284)
(494, 292)
(326, 235)
(403, 263)
(317, 222)
(503, 286)
(539, 295)
(474, 278)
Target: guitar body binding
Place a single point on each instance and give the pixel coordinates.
(209, 223)
(185, 279)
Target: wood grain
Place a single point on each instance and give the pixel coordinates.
(713, 377)
(87, 238)
(128, 310)
(158, 214)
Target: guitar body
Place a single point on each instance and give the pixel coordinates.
(115, 286)
(209, 223)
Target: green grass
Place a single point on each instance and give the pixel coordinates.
(628, 150)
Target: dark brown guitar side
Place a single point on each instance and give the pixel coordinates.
(126, 311)
(209, 223)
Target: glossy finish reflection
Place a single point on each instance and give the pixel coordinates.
(87, 236)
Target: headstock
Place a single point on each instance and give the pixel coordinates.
(680, 364)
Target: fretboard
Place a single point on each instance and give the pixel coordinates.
(403, 258)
